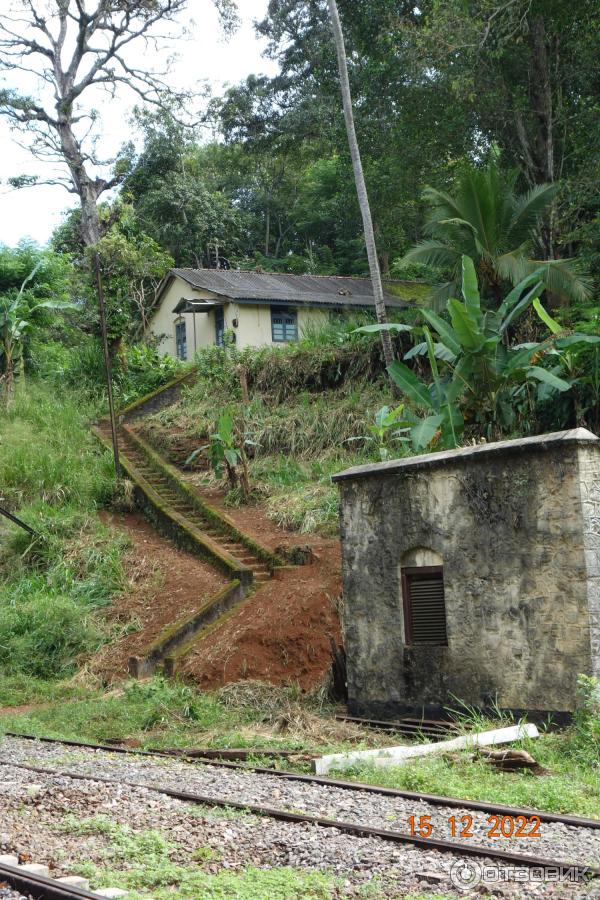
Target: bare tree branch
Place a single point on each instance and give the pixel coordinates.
(71, 46)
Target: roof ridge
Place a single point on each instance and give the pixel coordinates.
(275, 274)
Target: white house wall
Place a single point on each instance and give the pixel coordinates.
(162, 324)
(253, 322)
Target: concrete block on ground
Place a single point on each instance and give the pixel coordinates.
(36, 869)
(75, 881)
(8, 859)
(111, 892)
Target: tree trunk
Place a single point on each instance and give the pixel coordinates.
(9, 377)
(91, 232)
(359, 178)
(267, 229)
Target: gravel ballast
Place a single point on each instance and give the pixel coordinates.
(242, 840)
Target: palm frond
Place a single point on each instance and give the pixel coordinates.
(565, 278)
(438, 296)
(527, 211)
(433, 253)
(514, 266)
(443, 205)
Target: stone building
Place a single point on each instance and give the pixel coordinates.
(473, 575)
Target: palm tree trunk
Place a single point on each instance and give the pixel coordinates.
(359, 178)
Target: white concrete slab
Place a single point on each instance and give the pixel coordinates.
(398, 756)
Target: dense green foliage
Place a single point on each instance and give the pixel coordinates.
(479, 375)
(485, 219)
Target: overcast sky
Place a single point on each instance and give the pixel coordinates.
(33, 212)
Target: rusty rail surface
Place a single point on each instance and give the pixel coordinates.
(41, 888)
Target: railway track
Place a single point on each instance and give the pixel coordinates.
(41, 888)
(415, 838)
(433, 799)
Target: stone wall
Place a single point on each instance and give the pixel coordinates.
(521, 563)
(589, 474)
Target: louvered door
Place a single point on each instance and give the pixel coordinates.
(424, 605)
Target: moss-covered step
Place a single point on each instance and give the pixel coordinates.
(180, 633)
(212, 515)
(176, 527)
(172, 662)
(158, 399)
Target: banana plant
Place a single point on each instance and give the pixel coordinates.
(17, 315)
(477, 376)
(227, 449)
(563, 349)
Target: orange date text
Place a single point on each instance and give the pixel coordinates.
(462, 826)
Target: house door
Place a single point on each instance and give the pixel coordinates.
(181, 340)
(219, 325)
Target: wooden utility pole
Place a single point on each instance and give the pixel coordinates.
(107, 364)
(361, 187)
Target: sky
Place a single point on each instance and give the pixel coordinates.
(34, 212)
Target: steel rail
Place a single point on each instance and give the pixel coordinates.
(19, 522)
(432, 799)
(354, 828)
(41, 888)
(408, 727)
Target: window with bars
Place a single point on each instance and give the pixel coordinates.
(284, 325)
(181, 340)
(424, 605)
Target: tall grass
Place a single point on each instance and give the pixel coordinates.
(56, 477)
(47, 452)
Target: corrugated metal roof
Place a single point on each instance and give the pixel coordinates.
(307, 289)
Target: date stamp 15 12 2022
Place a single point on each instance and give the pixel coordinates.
(462, 826)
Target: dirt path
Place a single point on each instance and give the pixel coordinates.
(281, 634)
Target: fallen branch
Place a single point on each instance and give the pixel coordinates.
(512, 760)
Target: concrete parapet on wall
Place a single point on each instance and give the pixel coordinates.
(516, 527)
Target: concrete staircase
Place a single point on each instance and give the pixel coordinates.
(176, 496)
(182, 515)
(177, 499)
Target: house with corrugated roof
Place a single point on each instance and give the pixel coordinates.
(197, 307)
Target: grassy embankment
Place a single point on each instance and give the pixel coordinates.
(309, 414)
(55, 478)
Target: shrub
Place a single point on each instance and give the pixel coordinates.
(140, 371)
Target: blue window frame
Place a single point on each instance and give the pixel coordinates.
(284, 325)
(219, 325)
(181, 340)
